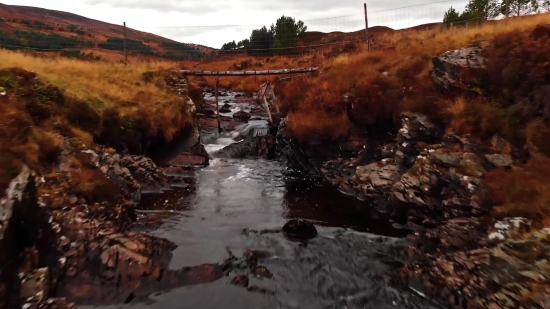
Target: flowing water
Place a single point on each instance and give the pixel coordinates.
(214, 208)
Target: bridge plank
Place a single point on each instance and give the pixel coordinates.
(245, 73)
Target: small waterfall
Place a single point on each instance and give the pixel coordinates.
(253, 128)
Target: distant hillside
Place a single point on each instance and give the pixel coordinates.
(48, 30)
(315, 37)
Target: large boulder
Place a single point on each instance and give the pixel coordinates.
(439, 186)
(472, 263)
(460, 68)
(299, 229)
(18, 229)
(254, 147)
(242, 116)
(376, 180)
(417, 131)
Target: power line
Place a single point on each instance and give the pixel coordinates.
(360, 16)
(415, 5)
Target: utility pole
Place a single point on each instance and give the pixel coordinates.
(367, 27)
(125, 51)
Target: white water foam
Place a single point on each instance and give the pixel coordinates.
(251, 129)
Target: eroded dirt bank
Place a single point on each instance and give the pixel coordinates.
(65, 227)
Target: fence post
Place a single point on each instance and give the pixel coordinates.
(125, 52)
(218, 107)
(367, 27)
(266, 104)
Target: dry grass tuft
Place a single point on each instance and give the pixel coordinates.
(99, 86)
(95, 102)
(524, 191)
(538, 134)
(408, 85)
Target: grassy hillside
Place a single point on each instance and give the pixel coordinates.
(315, 105)
(92, 101)
(48, 30)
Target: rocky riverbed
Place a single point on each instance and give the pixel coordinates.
(429, 180)
(399, 222)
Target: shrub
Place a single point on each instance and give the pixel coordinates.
(94, 186)
(82, 115)
(519, 63)
(523, 191)
(538, 134)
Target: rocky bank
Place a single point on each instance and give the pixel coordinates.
(430, 181)
(66, 230)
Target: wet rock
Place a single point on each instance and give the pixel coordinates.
(262, 272)
(447, 159)
(225, 110)
(440, 186)
(132, 173)
(210, 113)
(20, 221)
(416, 129)
(376, 180)
(482, 263)
(500, 144)
(240, 280)
(254, 147)
(50, 303)
(242, 116)
(508, 228)
(460, 68)
(299, 229)
(188, 160)
(500, 160)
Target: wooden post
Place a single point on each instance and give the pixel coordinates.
(267, 105)
(125, 52)
(367, 27)
(218, 106)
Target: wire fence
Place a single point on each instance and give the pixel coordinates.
(283, 37)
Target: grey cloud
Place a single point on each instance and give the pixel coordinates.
(317, 14)
(296, 7)
(166, 6)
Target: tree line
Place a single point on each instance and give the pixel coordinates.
(481, 10)
(287, 36)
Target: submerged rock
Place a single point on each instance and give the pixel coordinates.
(299, 229)
(241, 115)
(240, 280)
(225, 110)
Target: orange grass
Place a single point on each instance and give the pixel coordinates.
(72, 98)
(523, 191)
(407, 86)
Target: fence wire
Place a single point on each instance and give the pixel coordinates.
(284, 37)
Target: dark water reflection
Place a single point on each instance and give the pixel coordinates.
(338, 269)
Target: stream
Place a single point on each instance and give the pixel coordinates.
(216, 210)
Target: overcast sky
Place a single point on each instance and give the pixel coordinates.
(214, 22)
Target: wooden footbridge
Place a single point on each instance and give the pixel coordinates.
(245, 73)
